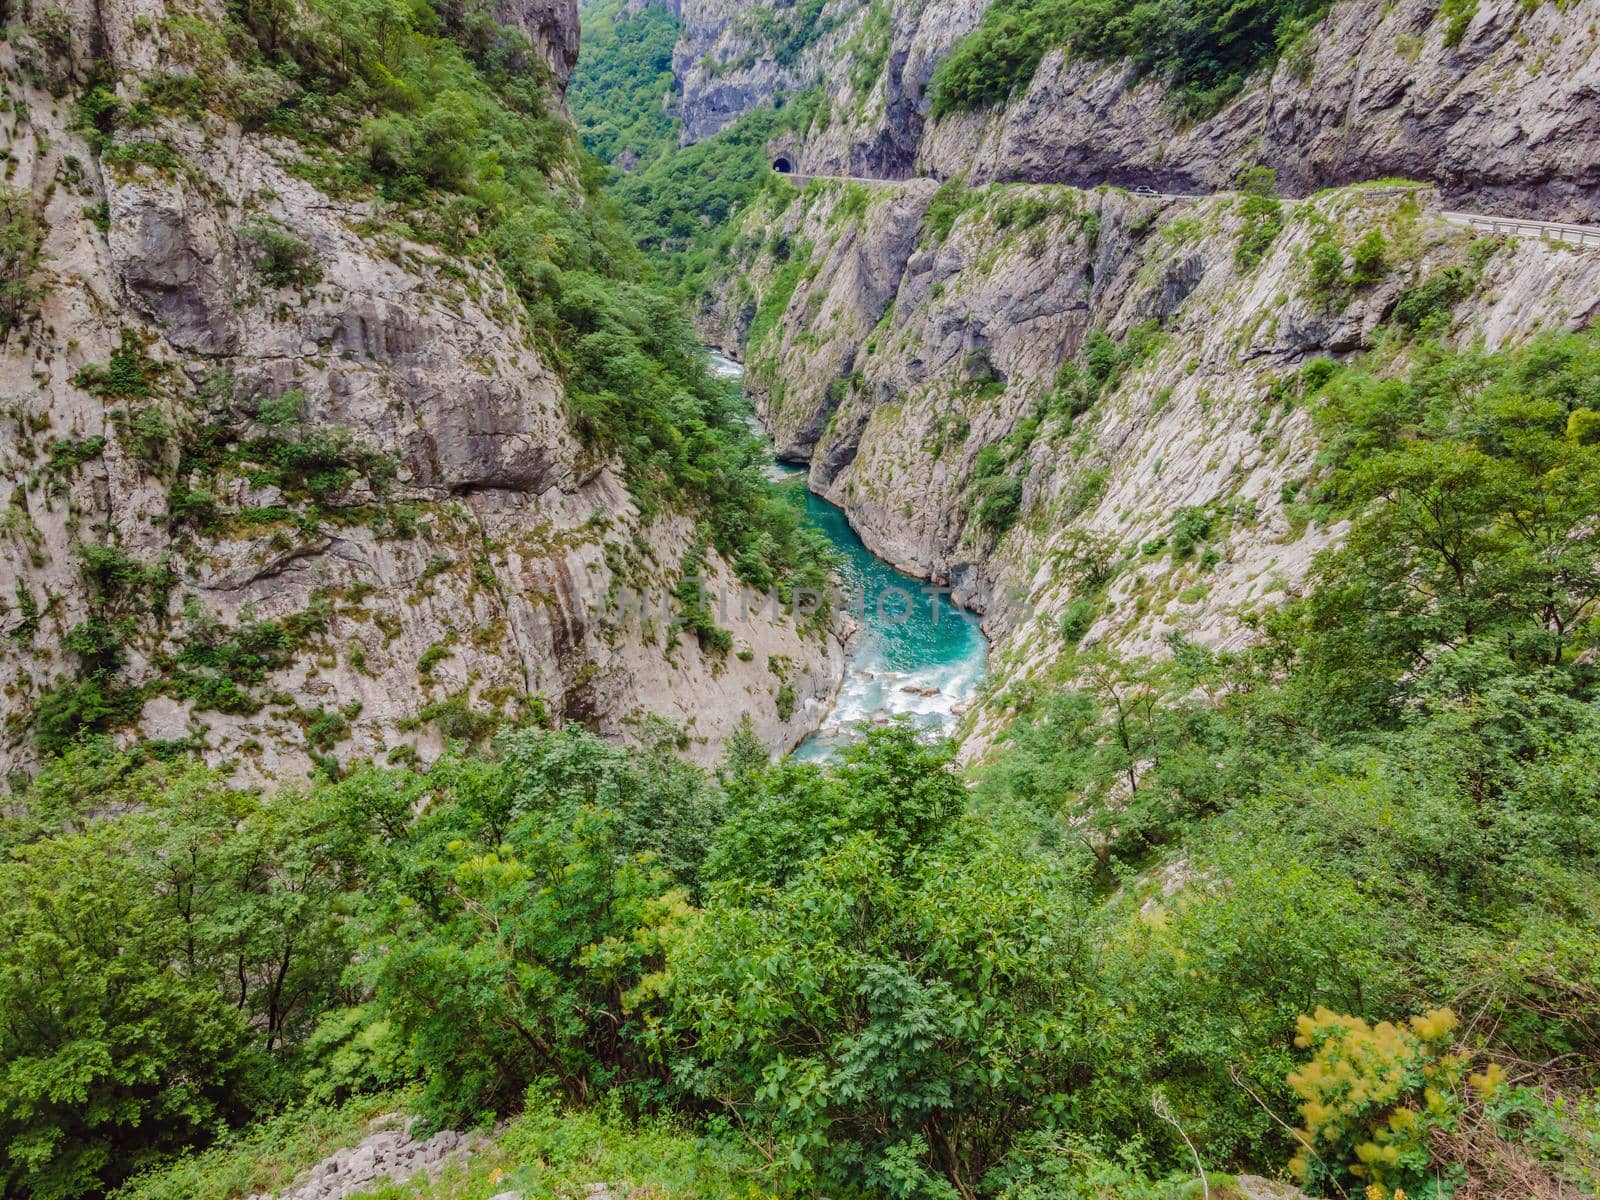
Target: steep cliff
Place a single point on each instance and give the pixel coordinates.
(289, 479)
(1493, 103)
(1499, 113)
(1087, 411)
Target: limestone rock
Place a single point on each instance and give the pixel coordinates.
(1504, 120)
(907, 363)
(500, 562)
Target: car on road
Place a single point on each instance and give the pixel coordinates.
(1144, 190)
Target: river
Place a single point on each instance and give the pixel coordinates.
(917, 656)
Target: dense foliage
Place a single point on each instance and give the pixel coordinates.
(624, 78)
(681, 207)
(1181, 898)
(1203, 51)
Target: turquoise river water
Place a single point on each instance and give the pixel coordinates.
(917, 656)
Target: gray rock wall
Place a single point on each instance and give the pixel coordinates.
(895, 387)
(1505, 120)
(490, 574)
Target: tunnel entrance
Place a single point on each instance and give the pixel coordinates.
(783, 166)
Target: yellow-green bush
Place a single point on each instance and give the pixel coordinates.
(1371, 1094)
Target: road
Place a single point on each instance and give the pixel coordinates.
(1554, 231)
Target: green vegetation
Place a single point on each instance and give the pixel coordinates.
(681, 206)
(1330, 281)
(1427, 307)
(896, 986)
(448, 116)
(945, 209)
(995, 491)
(787, 29)
(1209, 879)
(623, 78)
(1215, 911)
(1204, 51)
(281, 258)
(1262, 216)
(693, 608)
(21, 256)
(68, 454)
(1457, 15)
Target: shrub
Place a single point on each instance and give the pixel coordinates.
(280, 258)
(1190, 527)
(1427, 307)
(21, 256)
(1375, 1097)
(121, 581)
(75, 708)
(68, 454)
(1076, 620)
(110, 1058)
(1001, 505)
(945, 209)
(1261, 215)
(694, 613)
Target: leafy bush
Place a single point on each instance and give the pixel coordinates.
(694, 613)
(111, 1057)
(945, 209)
(21, 256)
(120, 581)
(1190, 527)
(281, 259)
(1427, 307)
(1262, 217)
(75, 708)
(1370, 1096)
(68, 454)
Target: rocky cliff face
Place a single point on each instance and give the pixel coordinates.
(300, 483)
(1501, 119)
(1080, 409)
(872, 59)
(552, 28)
(733, 57)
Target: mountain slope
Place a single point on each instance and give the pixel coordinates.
(341, 420)
(1087, 412)
(1492, 102)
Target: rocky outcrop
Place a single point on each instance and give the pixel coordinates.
(1503, 120)
(872, 60)
(732, 57)
(551, 26)
(389, 1156)
(449, 554)
(1050, 386)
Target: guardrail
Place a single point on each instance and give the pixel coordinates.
(1552, 231)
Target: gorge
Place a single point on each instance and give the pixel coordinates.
(1090, 692)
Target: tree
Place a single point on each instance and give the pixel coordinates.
(21, 256)
(894, 1013)
(110, 1055)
